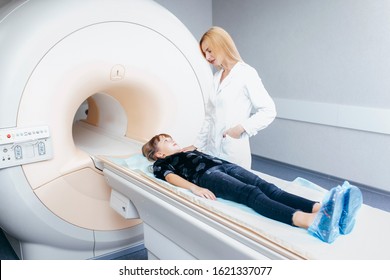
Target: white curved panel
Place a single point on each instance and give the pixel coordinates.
(80, 66)
(112, 117)
(28, 36)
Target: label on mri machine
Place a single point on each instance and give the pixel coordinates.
(24, 145)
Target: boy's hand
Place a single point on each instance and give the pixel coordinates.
(202, 192)
(183, 183)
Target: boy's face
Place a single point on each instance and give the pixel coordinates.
(166, 147)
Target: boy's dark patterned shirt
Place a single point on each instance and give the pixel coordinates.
(188, 165)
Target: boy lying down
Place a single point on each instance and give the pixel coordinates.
(210, 177)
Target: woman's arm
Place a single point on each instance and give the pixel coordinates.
(263, 105)
(183, 183)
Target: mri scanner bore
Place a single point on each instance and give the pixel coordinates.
(120, 62)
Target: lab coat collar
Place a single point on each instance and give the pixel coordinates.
(221, 85)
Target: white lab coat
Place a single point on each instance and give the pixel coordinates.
(239, 99)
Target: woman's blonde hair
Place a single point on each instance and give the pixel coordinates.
(149, 149)
(220, 42)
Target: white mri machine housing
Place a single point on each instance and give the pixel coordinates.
(137, 71)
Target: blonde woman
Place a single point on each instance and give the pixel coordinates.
(238, 108)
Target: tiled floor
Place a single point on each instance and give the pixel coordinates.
(371, 196)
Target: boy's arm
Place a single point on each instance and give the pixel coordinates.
(183, 183)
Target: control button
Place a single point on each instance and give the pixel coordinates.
(41, 148)
(8, 135)
(18, 152)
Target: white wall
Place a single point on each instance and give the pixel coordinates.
(195, 14)
(4, 2)
(327, 65)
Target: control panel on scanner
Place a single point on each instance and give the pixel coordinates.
(24, 145)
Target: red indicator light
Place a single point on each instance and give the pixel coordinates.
(8, 135)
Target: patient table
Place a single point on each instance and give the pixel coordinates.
(180, 225)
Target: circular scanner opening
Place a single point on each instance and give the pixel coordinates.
(118, 120)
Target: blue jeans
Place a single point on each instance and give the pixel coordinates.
(232, 182)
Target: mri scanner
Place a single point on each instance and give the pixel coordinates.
(83, 84)
(136, 70)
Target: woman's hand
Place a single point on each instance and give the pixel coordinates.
(234, 132)
(189, 148)
(202, 192)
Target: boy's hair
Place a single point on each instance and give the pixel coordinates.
(149, 149)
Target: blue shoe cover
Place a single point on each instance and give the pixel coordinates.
(326, 224)
(352, 202)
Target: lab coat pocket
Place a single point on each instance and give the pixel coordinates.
(231, 146)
